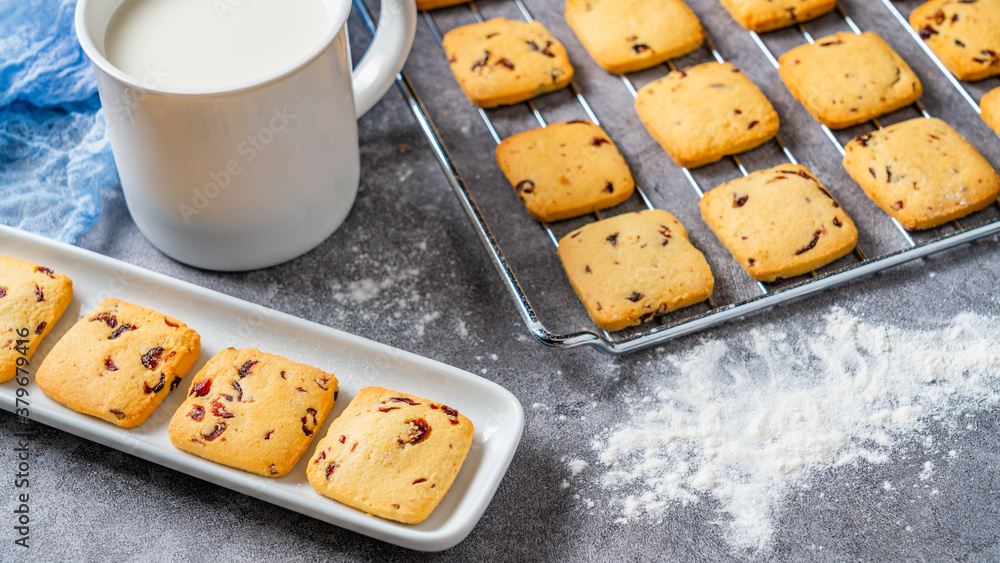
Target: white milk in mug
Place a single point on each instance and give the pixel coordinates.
(203, 44)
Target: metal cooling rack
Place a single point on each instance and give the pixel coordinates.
(770, 294)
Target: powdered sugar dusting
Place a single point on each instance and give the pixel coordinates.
(745, 423)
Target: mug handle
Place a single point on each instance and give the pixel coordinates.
(385, 57)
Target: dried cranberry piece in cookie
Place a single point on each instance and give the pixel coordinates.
(418, 430)
(151, 358)
(201, 388)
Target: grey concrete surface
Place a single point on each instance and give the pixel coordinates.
(92, 503)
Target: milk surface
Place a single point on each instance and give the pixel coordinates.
(212, 44)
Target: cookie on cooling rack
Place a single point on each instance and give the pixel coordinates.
(501, 62)
(630, 268)
(779, 223)
(964, 34)
(253, 411)
(119, 362)
(629, 35)
(565, 170)
(432, 4)
(922, 172)
(846, 79)
(32, 299)
(391, 454)
(703, 113)
(766, 15)
(990, 105)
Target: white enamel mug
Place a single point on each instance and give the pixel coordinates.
(252, 175)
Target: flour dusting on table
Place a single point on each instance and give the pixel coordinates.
(743, 423)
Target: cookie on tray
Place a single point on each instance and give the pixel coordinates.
(922, 172)
(964, 34)
(990, 105)
(628, 35)
(630, 268)
(391, 454)
(501, 62)
(253, 411)
(779, 223)
(846, 79)
(432, 4)
(119, 362)
(565, 170)
(703, 113)
(766, 15)
(32, 299)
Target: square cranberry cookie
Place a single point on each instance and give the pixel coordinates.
(32, 300)
(119, 362)
(391, 454)
(253, 411)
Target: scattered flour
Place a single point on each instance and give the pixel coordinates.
(576, 466)
(365, 290)
(406, 306)
(927, 472)
(360, 291)
(421, 325)
(744, 424)
(404, 172)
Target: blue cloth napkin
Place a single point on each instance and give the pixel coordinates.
(55, 157)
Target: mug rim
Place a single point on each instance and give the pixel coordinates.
(100, 61)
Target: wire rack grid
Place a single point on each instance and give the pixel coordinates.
(769, 294)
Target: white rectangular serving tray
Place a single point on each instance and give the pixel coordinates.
(223, 322)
